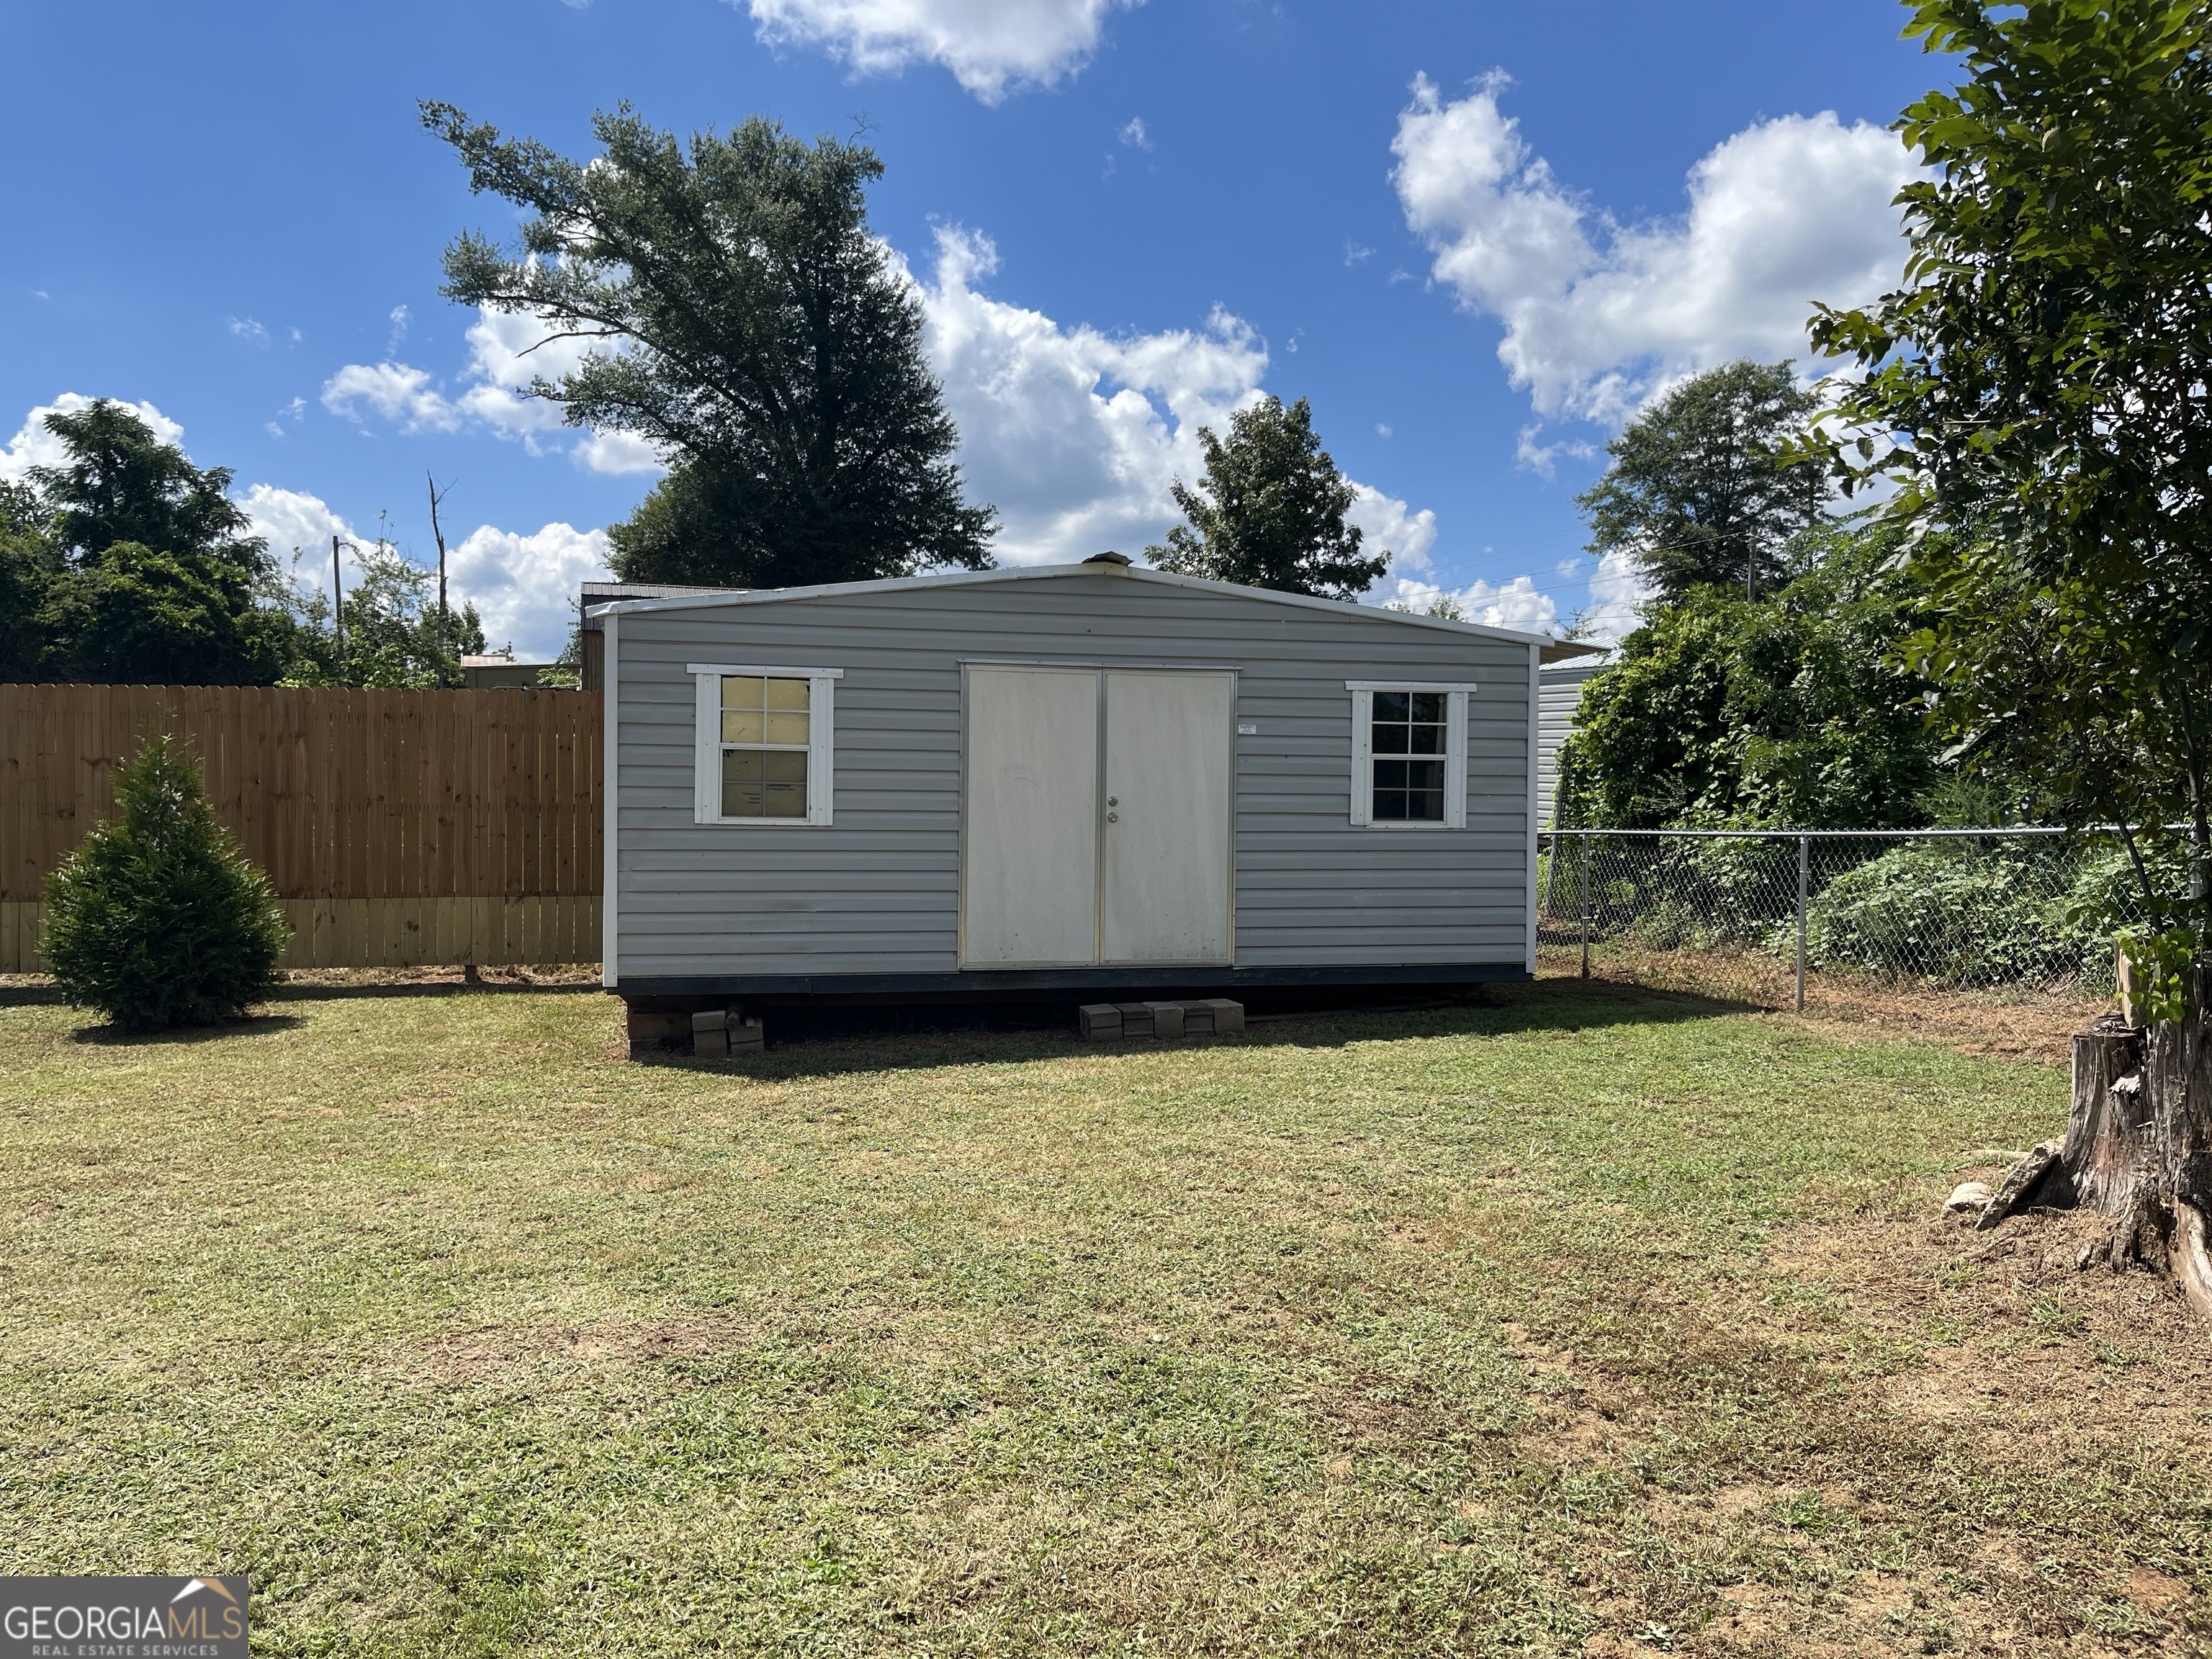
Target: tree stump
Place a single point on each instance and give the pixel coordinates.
(2138, 1145)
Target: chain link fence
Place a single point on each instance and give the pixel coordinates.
(2034, 910)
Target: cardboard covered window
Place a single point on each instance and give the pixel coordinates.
(764, 753)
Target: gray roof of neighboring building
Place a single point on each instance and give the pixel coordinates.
(612, 592)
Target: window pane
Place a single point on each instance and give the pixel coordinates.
(1390, 705)
(1428, 705)
(1389, 737)
(743, 784)
(787, 694)
(1424, 741)
(741, 726)
(1409, 792)
(740, 691)
(785, 728)
(786, 785)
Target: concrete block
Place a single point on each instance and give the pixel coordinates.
(1167, 1019)
(713, 1019)
(1099, 1022)
(1136, 1019)
(1228, 1017)
(746, 1033)
(710, 1042)
(1197, 1019)
(656, 1028)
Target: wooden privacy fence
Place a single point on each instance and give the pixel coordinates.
(400, 828)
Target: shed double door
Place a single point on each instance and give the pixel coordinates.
(1096, 816)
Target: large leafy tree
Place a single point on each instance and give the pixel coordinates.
(752, 329)
(121, 483)
(2039, 395)
(2038, 391)
(1791, 710)
(127, 563)
(1697, 491)
(1270, 510)
(29, 561)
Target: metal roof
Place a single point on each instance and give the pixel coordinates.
(701, 598)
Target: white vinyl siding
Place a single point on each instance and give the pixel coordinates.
(879, 893)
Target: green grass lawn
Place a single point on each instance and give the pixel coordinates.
(1596, 1321)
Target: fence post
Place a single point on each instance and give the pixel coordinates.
(1586, 903)
(1804, 884)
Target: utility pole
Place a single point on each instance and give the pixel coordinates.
(338, 607)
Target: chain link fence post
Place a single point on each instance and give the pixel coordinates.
(1586, 902)
(1804, 888)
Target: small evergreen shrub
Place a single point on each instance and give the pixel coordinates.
(159, 920)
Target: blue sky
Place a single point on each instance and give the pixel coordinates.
(1476, 236)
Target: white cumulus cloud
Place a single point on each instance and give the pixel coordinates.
(398, 391)
(1619, 590)
(525, 586)
(991, 46)
(1599, 315)
(1384, 521)
(1075, 434)
(506, 352)
(1516, 604)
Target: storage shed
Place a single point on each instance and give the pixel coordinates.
(1558, 698)
(1060, 780)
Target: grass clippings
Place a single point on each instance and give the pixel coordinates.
(1600, 1321)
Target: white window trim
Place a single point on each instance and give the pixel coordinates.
(707, 756)
(1362, 755)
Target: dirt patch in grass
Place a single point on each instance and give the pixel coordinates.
(2009, 1024)
(2042, 1360)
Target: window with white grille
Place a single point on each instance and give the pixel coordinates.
(1409, 754)
(763, 745)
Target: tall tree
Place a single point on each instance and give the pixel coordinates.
(751, 329)
(121, 483)
(1269, 511)
(1698, 492)
(29, 561)
(1791, 710)
(2037, 389)
(150, 574)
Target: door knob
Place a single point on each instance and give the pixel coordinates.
(1113, 818)
(1111, 801)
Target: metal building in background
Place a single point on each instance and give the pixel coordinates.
(1559, 693)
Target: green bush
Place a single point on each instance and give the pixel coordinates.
(1957, 914)
(159, 920)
